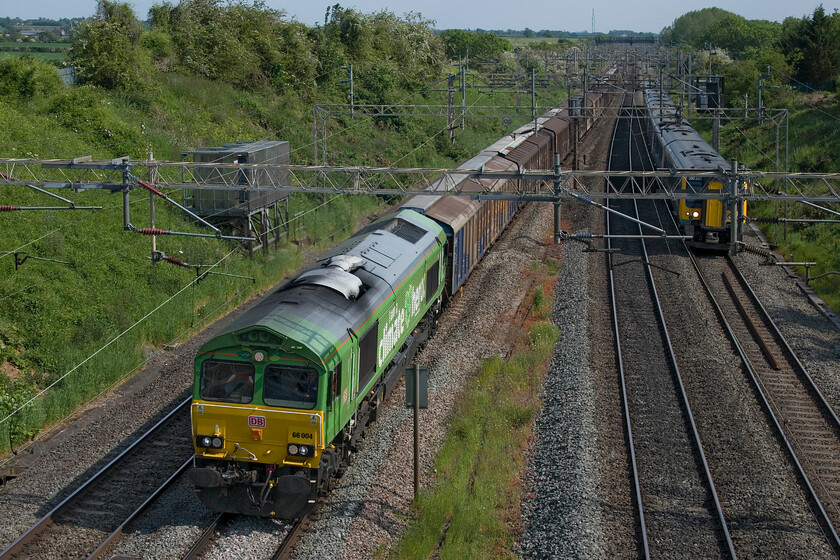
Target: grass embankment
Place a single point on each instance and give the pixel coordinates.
(814, 139)
(472, 510)
(54, 317)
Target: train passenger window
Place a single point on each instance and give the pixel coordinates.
(226, 381)
(290, 386)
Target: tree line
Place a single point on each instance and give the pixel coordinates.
(254, 47)
(807, 49)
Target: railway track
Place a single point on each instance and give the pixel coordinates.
(806, 423)
(672, 494)
(85, 523)
(216, 530)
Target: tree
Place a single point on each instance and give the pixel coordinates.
(26, 78)
(458, 42)
(812, 45)
(821, 47)
(735, 34)
(107, 48)
(693, 26)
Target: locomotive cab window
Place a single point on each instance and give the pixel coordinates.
(226, 381)
(290, 386)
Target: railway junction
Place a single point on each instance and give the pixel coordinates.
(690, 408)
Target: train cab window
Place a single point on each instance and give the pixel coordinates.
(290, 386)
(226, 381)
(334, 386)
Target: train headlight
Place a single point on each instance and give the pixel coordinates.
(213, 442)
(695, 214)
(301, 450)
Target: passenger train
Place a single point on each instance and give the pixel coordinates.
(675, 145)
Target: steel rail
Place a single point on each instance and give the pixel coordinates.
(686, 406)
(17, 546)
(200, 545)
(678, 376)
(821, 515)
(106, 544)
(624, 400)
(684, 396)
(292, 537)
(812, 385)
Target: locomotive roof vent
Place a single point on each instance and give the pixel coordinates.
(404, 230)
(336, 275)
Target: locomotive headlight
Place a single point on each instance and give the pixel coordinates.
(293, 449)
(695, 214)
(304, 451)
(213, 442)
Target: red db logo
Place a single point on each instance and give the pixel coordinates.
(256, 421)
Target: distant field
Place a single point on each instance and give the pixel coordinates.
(43, 51)
(24, 46)
(59, 56)
(526, 41)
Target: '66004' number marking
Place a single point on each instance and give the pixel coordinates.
(256, 421)
(302, 435)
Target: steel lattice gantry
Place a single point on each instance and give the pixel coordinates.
(539, 184)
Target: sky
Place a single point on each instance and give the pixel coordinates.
(643, 15)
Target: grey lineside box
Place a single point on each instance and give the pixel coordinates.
(231, 202)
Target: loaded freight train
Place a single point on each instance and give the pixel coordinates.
(675, 145)
(283, 394)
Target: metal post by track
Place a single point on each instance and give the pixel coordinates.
(733, 208)
(416, 404)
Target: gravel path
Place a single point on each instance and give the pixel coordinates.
(564, 515)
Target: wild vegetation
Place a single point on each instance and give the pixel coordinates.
(470, 509)
(199, 73)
